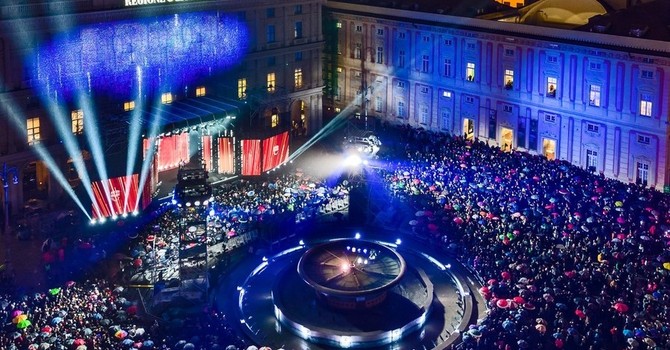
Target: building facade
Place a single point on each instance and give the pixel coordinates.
(595, 100)
(53, 53)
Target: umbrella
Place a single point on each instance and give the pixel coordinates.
(502, 303)
(54, 291)
(23, 324)
(189, 346)
(120, 334)
(413, 222)
(56, 320)
(621, 307)
(19, 318)
(420, 213)
(127, 342)
(16, 313)
(81, 347)
(666, 265)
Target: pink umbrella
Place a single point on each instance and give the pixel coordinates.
(621, 307)
(458, 220)
(16, 313)
(621, 220)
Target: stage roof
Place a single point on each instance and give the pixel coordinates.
(186, 112)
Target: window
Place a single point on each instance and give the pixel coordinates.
(298, 56)
(509, 79)
(379, 104)
(128, 106)
(33, 130)
(338, 109)
(401, 58)
(359, 28)
(338, 25)
(274, 118)
(270, 12)
(380, 55)
(552, 59)
(401, 109)
(447, 67)
(242, 88)
(357, 74)
(507, 108)
(272, 60)
(424, 63)
(401, 35)
(647, 74)
(646, 106)
(643, 139)
(271, 82)
(594, 128)
(380, 31)
(200, 91)
(471, 46)
(424, 90)
(591, 159)
(166, 98)
(77, 117)
(446, 94)
(401, 84)
(338, 93)
(445, 118)
(470, 71)
(550, 118)
(448, 42)
(552, 83)
(595, 66)
(297, 30)
(297, 76)
(298, 9)
(594, 95)
(423, 110)
(357, 51)
(509, 52)
(426, 38)
(469, 99)
(270, 35)
(642, 172)
(339, 69)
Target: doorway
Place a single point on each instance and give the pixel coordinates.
(469, 129)
(506, 137)
(549, 148)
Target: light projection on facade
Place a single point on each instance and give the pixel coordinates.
(123, 58)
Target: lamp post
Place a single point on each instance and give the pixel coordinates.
(6, 172)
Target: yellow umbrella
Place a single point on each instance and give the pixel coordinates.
(665, 266)
(19, 318)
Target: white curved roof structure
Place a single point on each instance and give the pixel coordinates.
(559, 13)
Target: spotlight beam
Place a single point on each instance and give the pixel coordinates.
(62, 127)
(95, 143)
(133, 138)
(154, 128)
(15, 117)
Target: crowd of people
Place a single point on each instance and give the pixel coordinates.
(569, 258)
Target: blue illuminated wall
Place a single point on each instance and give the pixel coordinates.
(152, 53)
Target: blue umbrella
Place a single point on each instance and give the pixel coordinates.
(127, 342)
(628, 333)
(508, 325)
(56, 320)
(148, 344)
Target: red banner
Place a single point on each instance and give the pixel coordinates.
(207, 151)
(275, 151)
(251, 157)
(226, 155)
(122, 197)
(172, 150)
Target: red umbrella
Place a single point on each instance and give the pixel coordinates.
(46, 329)
(79, 342)
(506, 275)
(621, 307)
(458, 220)
(492, 281)
(518, 300)
(502, 303)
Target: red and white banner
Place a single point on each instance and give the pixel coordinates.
(207, 151)
(226, 155)
(251, 157)
(275, 151)
(172, 150)
(122, 197)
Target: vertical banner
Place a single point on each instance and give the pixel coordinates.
(172, 150)
(207, 152)
(251, 157)
(122, 196)
(275, 151)
(226, 155)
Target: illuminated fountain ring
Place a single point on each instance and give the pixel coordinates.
(355, 293)
(328, 297)
(351, 274)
